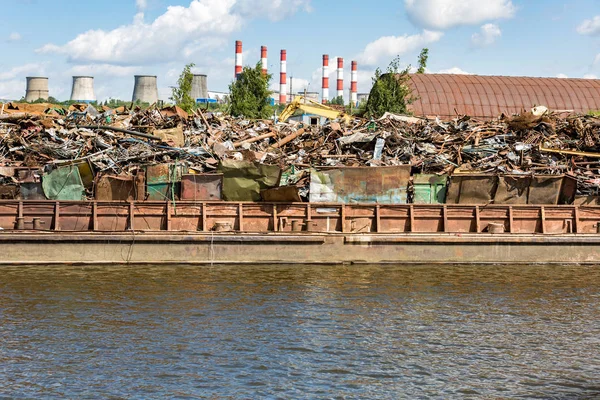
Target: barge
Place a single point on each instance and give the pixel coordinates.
(210, 233)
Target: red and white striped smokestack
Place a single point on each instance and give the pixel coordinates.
(325, 78)
(263, 59)
(354, 83)
(238, 58)
(283, 78)
(340, 77)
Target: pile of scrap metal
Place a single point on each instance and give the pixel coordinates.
(84, 152)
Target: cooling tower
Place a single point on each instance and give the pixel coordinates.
(37, 88)
(83, 89)
(145, 89)
(199, 87)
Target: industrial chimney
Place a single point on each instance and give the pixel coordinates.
(325, 98)
(354, 84)
(238, 58)
(199, 87)
(340, 77)
(37, 88)
(145, 89)
(83, 89)
(283, 78)
(263, 60)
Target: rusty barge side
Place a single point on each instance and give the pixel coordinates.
(185, 233)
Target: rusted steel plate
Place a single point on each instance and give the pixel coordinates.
(202, 187)
(281, 217)
(382, 185)
(116, 188)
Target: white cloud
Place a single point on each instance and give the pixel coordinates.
(445, 14)
(590, 76)
(141, 5)
(590, 26)
(561, 76)
(454, 70)
(486, 36)
(390, 46)
(103, 70)
(22, 71)
(14, 37)
(179, 32)
(12, 90)
(597, 59)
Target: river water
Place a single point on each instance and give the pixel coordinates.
(300, 332)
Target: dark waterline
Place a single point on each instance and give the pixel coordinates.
(300, 332)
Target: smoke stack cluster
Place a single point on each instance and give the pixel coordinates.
(145, 89)
(37, 88)
(83, 89)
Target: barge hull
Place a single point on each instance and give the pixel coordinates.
(54, 248)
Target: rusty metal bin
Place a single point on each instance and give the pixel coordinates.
(430, 189)
(513, 189)
(202, 187)
(472, 189)
(552, 189)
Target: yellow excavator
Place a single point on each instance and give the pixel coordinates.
(312, 107)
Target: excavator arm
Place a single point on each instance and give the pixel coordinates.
(312, 107)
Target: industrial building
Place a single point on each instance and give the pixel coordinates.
(487, 97)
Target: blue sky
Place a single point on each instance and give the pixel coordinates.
(114, 40)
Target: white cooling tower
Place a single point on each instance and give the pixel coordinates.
(199, 87)
(83, 89)
(37, 88)
(145, 89)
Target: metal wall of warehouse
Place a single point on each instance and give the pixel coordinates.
(487, 97)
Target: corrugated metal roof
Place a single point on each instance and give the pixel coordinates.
(446, 95)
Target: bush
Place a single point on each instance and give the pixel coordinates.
(181, 93)
(250, 95)
(390, 92)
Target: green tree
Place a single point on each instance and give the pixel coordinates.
(181, 93)
(338, 101)
(250, 94)
(423, 57)
(390, 92)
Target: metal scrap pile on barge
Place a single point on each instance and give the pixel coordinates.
(163, 186)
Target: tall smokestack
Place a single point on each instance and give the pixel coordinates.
(145, 89)
(83, 89)
(283, 78)
(37, 88)
(340, 77)
(325, 79)
(238, 58)
(263, 60)
(199, 87)
(354, 83)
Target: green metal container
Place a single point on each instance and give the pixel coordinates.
(163, 182)
(430, 189)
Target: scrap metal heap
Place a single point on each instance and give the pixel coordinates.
(121, 142)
